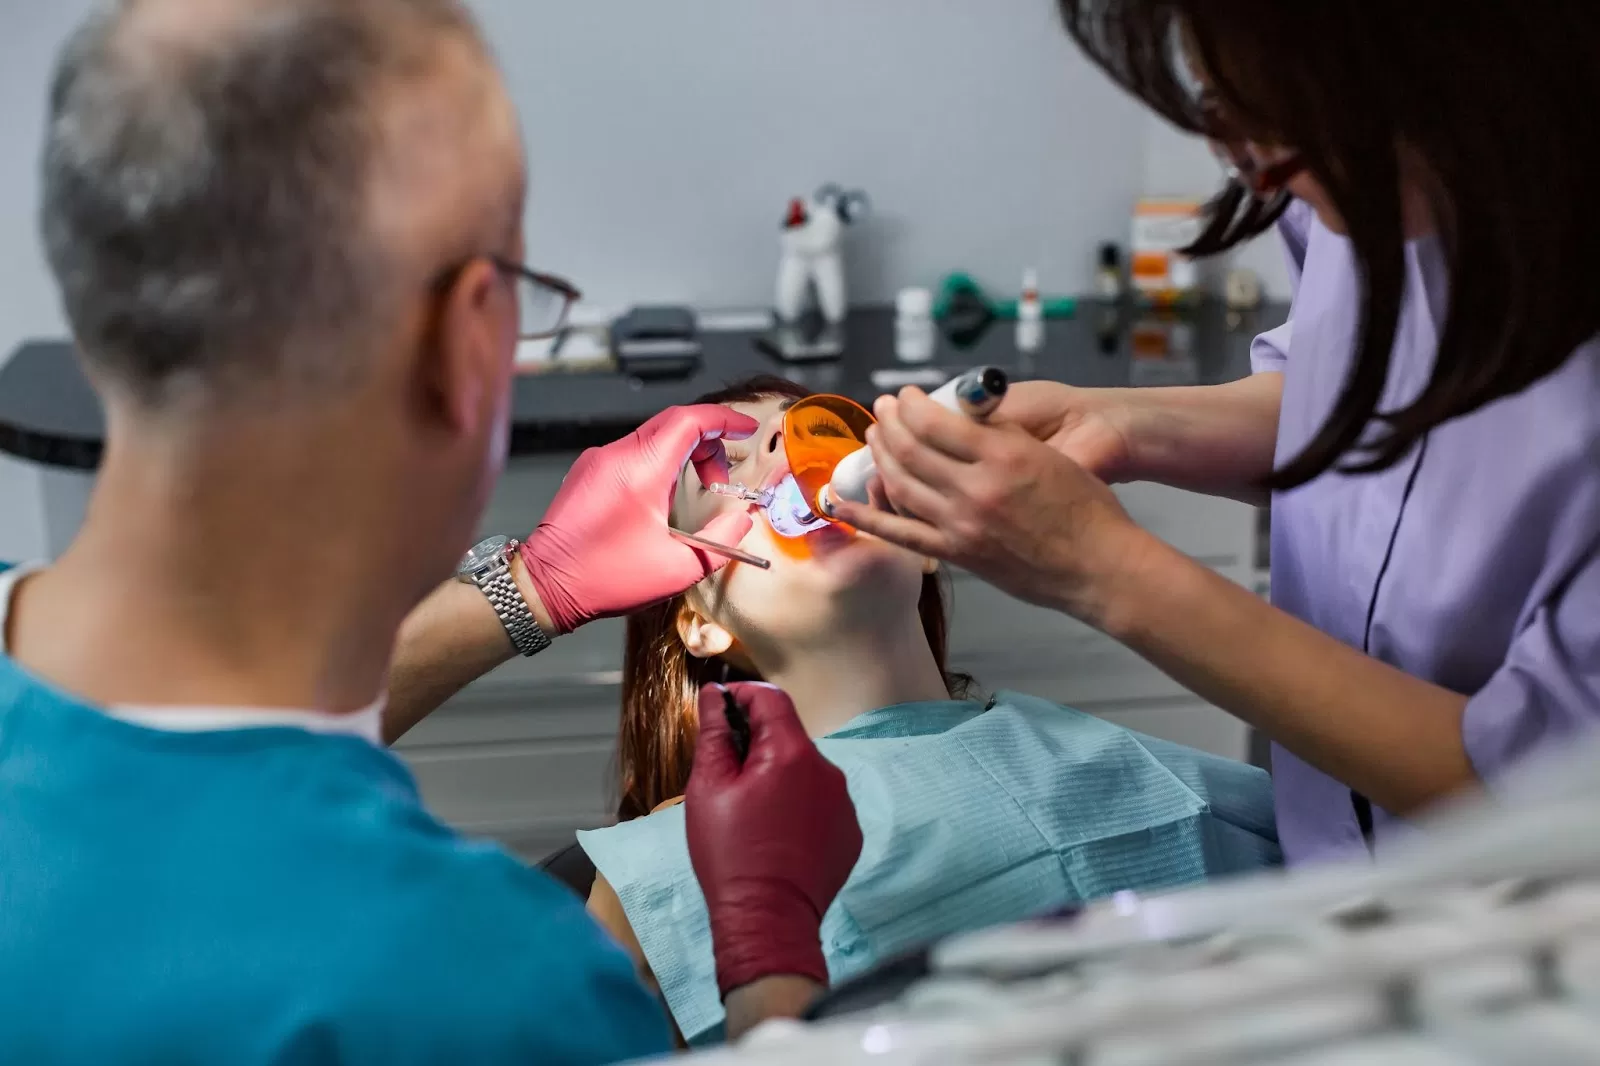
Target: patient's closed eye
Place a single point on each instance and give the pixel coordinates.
(827, 426)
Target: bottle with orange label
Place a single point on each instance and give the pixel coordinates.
(1159, 272)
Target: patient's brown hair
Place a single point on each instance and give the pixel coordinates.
(661, 681)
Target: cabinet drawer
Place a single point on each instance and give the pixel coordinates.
(510, 788)
(999, 639)
(524, 493)
(521, 760)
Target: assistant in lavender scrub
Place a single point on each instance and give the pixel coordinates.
(1425, 426)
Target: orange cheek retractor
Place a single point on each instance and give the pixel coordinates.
(818, 432)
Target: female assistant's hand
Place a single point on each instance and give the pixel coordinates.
(994, 500)
(1092, 427)
(603, 548)
(772, 838)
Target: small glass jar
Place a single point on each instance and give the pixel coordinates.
(915, 337)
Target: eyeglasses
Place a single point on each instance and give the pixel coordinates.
(543, 300)
(1256, 194)
(1261, 178)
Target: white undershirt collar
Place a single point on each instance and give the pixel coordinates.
(366, 723)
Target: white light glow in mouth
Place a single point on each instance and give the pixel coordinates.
(788, 513)
(784, 505)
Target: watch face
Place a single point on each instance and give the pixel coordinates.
(485, 553)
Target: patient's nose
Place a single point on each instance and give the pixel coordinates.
(770, 453)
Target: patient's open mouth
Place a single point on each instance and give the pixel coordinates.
(828, 536)
(788, 513)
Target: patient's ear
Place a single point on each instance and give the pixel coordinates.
(703, 638)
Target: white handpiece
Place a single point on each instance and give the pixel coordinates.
(974, 394)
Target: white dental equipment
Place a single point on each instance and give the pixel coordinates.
(1473, 941)
(789, 511)
(813, 238)
(784, 504)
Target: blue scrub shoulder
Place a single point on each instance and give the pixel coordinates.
(269, 896)
(508, 951)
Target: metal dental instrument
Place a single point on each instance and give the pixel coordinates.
(738, 724)
(736, 554)
(742, 492)
(784, 505)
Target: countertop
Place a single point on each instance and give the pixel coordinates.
(48, 413)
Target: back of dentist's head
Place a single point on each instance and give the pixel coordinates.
(267, 243)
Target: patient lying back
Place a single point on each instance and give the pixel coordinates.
(973, 812)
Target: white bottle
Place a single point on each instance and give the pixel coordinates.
(1242, 291)
(1030, 315)
(1108, 275)
(915, 337)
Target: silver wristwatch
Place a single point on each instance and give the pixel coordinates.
(488, 566)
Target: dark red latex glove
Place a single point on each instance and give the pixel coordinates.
(772, 841)
(603, 548)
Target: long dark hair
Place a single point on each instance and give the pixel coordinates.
(1496, 100)
(661, 681)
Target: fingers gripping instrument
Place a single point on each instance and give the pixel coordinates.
(738, 725)
(825, 443)
(975, 394)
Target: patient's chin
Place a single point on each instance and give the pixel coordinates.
(855, 566)
(829, 540)
(828, 564)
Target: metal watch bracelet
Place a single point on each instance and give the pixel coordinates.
(508, 603)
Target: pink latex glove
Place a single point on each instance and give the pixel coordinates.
(772, 839)
(603, 548)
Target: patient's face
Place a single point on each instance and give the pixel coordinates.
(827, 582)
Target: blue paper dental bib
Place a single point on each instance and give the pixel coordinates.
(969, 817)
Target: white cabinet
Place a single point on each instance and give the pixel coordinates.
(522, 760)
(525, 754)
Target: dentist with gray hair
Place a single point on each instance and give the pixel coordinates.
(300, 310)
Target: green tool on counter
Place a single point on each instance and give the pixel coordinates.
(961, 294)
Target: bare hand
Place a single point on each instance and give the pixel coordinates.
(1086, 425)
(1013, 510)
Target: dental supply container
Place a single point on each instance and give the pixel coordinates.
(1030, 315)
(915, 337)
(1161, 275)
(1108, 275)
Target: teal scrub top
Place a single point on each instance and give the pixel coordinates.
(269, 895)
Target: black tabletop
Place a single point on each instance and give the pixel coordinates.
(49, 414)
